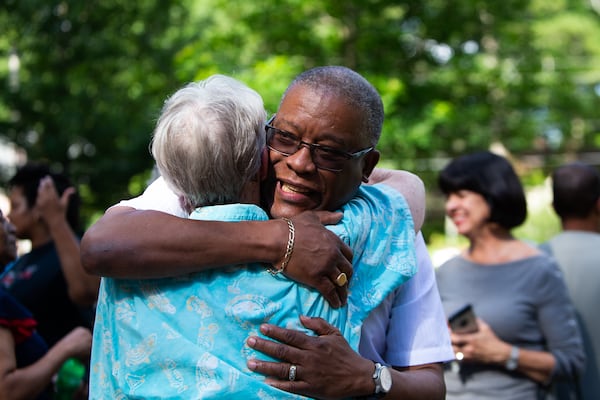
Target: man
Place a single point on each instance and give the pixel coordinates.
(207, 145)
(49, 280)
(325, 111)
(576, 200)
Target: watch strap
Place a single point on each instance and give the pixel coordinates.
(513, 360)
(377, 377)
(377, 380)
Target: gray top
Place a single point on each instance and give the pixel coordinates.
(577, 253)
(525, 302)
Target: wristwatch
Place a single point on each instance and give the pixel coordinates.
(513, 360)
(382, 376)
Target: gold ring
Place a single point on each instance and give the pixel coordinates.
(341, 279)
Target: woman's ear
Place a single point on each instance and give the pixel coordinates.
(186, 204)
(264, 164)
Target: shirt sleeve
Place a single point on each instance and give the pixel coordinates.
(158, 196)
(16, 318)
(418, 332)
(563, 339)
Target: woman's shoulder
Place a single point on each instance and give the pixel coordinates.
(452, 266)
(539, 270)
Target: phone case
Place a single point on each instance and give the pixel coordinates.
(463, 320)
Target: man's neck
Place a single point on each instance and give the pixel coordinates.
(581, 224)
(39, 235)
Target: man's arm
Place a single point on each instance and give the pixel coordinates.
(30, 381)
(409, 185)
(129, 243)
(82, 287)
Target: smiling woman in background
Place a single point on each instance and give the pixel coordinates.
(527, 334)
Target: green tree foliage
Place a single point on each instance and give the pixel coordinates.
(91, 79)
(455, 75)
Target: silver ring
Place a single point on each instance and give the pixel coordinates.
(292, 374)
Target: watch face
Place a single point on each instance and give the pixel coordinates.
(386, 379)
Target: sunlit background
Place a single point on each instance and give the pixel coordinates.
(83, 82)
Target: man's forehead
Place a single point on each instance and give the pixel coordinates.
(321, 92)
(320, 104)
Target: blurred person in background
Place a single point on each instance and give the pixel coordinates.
(27, 366)
(527, 336)
(8, 242)
(576, 201)
(49, 280)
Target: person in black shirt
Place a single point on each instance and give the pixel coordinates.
(49, 280)
(27, 366)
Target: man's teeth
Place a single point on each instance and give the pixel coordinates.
(293, 189)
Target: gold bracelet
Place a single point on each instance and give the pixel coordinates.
(288, 250)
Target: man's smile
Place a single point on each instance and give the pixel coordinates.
(297, 195)
(286, 187)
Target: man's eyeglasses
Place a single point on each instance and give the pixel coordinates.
(323, 157)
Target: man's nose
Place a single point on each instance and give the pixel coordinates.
(302, 160)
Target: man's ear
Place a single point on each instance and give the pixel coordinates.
(264, 164)
(35, 212)
(370, 162)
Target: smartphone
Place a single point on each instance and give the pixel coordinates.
(463, 320)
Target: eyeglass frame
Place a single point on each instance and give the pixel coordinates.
(312, 147)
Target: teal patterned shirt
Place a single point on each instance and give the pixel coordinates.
(185, 337)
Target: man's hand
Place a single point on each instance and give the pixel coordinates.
(319, 256)
(82, 287)
(77, 343)
(326, 366)
(52, 208)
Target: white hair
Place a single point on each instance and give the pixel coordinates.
(208, 140)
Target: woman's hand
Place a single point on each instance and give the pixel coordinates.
(482, 346)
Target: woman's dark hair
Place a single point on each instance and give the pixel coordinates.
(494, 178)
(28, 178)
